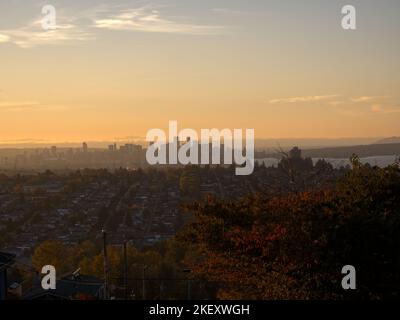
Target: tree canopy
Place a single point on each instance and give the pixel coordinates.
(294, 246)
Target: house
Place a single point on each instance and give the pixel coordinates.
(70, 287)
(6, 261)
(14, 291)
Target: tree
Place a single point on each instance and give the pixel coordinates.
(294, 246)
(52, 252)
(323, 166)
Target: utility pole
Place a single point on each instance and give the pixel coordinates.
(188, 283)
(125, 272)
(188, 289)
(161, 290)
(144, 283)
(105, 258)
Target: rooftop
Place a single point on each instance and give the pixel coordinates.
(69, 287)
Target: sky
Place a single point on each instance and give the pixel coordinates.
(116, 69)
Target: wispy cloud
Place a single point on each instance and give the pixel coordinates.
(368, 98)
(27, 105)
(145, 20)
(378, 108)
(34, 35)
(348, 106)
(81, 26)
(240, 13)
(4, 38)
(303, 99)
(11, 104)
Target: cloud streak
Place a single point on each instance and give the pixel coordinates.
(27, 105)
(11, 104)
(346, 105)
(368, 98)
(33, 35)
(303, 99)
(4, 38)
(145, 20)
(378, 108)
(84, 26)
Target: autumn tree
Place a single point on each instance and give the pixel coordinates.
(294, 246)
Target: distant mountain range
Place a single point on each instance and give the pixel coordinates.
(336, 148)
(389, 140)
(362, 151)
(370, 150)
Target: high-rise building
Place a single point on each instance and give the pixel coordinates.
(84, 147)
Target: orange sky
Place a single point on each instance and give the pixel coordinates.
(284, 71)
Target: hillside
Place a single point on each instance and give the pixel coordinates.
(346, 152)
(389, 140)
